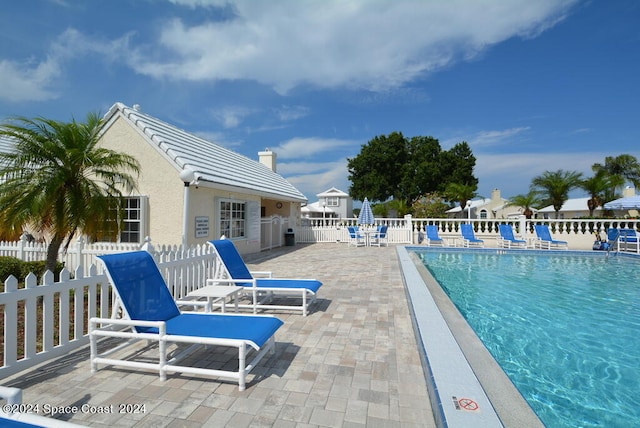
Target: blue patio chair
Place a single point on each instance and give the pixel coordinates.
(262, 290)
(356, 238)
(469, 237)
(150, 313)
(379, 237)
(433, 238)
(545, 241)
(507, 239)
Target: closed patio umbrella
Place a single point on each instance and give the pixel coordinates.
(628, 203)
(366, 215)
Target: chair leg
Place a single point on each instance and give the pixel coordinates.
(242, 357)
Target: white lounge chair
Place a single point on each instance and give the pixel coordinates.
(150, 313)
(468, 237)
(262, 290)
(433, 238)
(545, 241)
(507, 238)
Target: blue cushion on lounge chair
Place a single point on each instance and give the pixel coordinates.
(223, 326)
(308, 284)
(238, 271)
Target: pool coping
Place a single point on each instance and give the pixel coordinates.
(458, 367)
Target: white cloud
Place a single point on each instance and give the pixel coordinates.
(374, 45)
(289, 113)
(491, 138)
(314, 178)
(308, 147)
(231, 117)
(28, 81)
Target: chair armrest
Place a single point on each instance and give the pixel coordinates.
(212, 281)
(262, 274)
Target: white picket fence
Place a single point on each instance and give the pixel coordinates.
(45, 319)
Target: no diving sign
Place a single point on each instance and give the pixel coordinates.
(466, 404)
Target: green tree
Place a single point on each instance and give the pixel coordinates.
(376, 173)
(58, 181)
(527, 202)
(458, 164)
(599, 188)
(554, 187)
(625, 167)
(396, 167)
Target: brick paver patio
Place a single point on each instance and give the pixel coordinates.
(353, 362)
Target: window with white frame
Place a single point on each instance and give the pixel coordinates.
(483, 214)
(131, 224)
(233, 218)
(333, 201)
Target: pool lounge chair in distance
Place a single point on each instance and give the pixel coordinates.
(433, 238)
(151, 314)
(545, 241)
(262, 290)
(469, 237)
(507, 239)
(379, 237)
(356, 238)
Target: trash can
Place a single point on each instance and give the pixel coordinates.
(289, 238)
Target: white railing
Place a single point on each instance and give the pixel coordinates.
(579, 233)
(49, 319)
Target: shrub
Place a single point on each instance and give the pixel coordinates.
(20, 269)
(10, 266)
(38, 269)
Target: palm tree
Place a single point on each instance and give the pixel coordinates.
(58, 181)
(461, 193)
(599, 188)
(554, 187)
(624, 166)
(527, 202)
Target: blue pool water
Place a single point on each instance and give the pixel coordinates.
(565, 328)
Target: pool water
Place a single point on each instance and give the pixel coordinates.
(565, 328)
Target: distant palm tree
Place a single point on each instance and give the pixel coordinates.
(527, 202)
(625, 167)
(599, 188)
(554, 187)
(58, 181)
(461, 193)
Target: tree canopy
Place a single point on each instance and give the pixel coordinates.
(393, 166)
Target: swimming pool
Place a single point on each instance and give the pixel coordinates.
(564, 327)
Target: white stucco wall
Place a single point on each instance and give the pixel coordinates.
(158, 179)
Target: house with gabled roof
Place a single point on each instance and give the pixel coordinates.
(332, 203)
(191, 190)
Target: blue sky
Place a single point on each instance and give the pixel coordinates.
(530, 85)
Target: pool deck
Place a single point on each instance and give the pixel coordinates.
(352, 362)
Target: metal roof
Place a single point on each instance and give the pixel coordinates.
(576, 204)
(214, 165)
